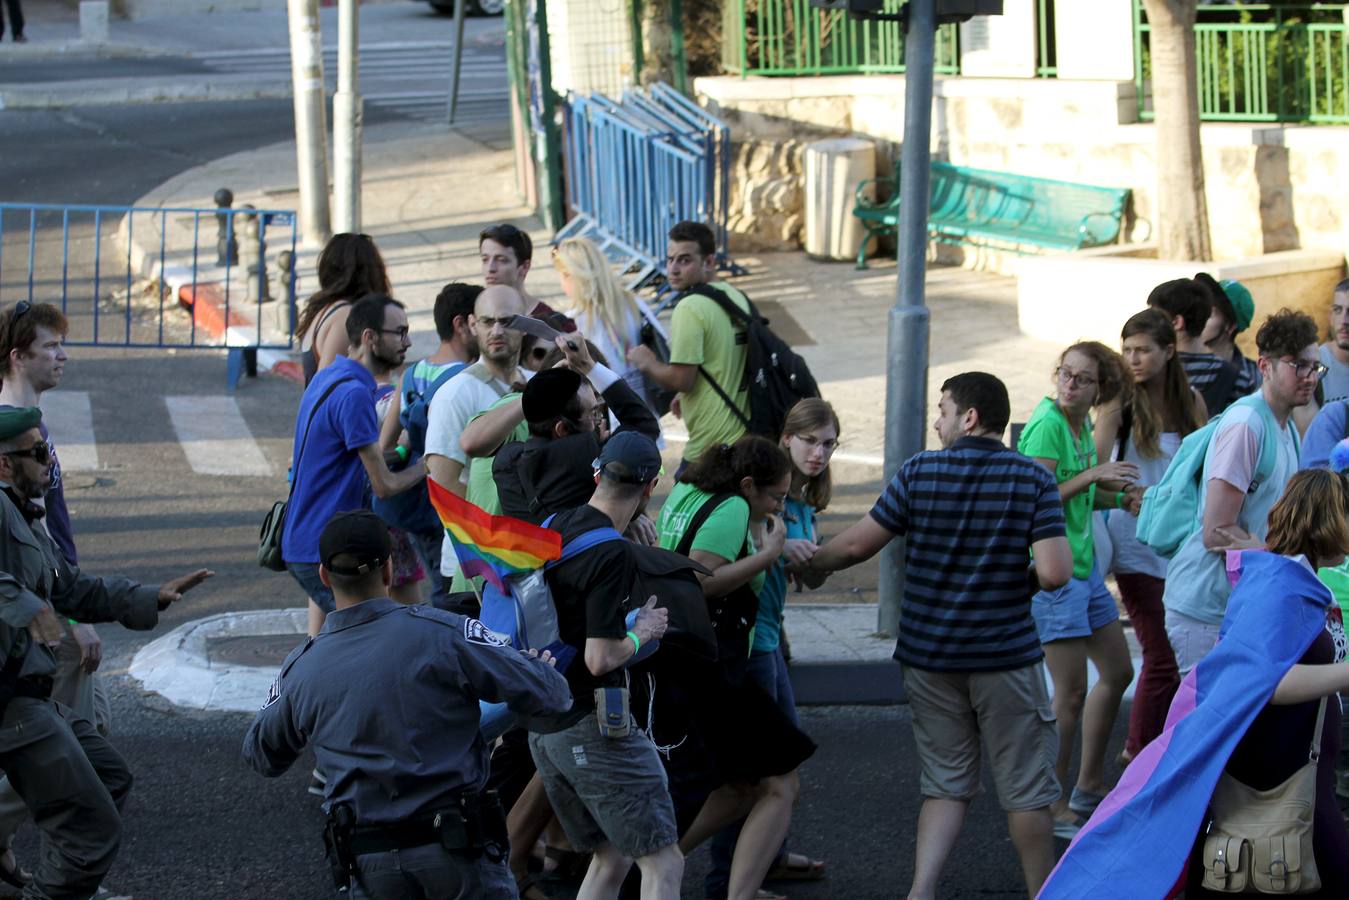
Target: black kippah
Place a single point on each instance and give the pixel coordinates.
(548, 393)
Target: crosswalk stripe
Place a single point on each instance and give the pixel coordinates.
(215, 437)
(70, 421)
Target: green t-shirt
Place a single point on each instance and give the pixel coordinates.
(702, 334)
(1337, 579)
(724, 533)
(482, 488)
(1047, 435)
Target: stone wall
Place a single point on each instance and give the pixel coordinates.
(1269, 188)
(766, 191)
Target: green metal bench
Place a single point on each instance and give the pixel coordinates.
(1001, 210)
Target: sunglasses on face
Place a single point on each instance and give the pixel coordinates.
(40, 453)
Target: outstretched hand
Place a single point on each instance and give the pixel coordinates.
(172, 591)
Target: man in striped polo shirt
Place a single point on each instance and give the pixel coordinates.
(968, 648)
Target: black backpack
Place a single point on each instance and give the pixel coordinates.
(776, 376)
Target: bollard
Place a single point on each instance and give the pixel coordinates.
(253, 256)
(94, 21)
(226, 246)
(284, 314)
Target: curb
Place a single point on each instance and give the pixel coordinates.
(108, 92)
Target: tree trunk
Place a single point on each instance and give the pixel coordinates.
(1182, 211)
(657, 55)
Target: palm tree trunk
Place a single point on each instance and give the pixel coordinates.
(1182, 211)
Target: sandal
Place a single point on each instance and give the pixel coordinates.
(796, 867)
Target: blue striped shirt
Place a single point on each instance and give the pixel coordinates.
(971, 513)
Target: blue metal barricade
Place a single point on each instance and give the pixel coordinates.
(143, 277)
(637, 166)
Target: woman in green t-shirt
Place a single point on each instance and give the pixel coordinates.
(1080, 621)
(738, 541)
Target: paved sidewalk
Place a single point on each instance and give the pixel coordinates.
(429, 191)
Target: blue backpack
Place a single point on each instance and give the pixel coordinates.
(1170, 512)
(411, 510)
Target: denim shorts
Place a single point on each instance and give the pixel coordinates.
(307, 574)
(606, 790)
(1075, 610)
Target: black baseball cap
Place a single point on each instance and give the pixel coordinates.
(629, 457)
(359, 534)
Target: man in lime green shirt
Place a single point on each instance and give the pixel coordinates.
(702, 336)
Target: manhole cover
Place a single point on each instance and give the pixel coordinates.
(252, 650)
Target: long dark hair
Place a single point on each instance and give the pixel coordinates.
(350, 266)
(1177, 404)
(721, 467)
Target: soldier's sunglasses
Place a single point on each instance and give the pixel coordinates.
(40, 453)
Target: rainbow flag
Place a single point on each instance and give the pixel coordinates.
(494, 547)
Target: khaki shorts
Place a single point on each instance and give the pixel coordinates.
(1008, 710)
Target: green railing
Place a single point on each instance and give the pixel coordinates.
(1262, 62)
(789, 37)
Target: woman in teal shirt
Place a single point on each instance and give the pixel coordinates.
(1079, 621)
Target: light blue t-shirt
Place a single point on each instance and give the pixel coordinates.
(799, 517)
(1330, 426)
(1196, 580)
(329, 478)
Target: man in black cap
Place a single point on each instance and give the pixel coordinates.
(604, 779)
(68, 775)
(404, 793)
(568, 414)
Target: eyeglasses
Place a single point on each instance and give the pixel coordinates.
(20, 310)
(1074, 379)
(489, 323)
(1302, 368)
(401, 332)
(40, 453)
(812, 442)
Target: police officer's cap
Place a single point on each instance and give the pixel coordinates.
(547, 394)
(14, 422)
(629, 457)
(361, 536)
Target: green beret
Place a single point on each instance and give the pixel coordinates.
(1242, 303)
(15, 421)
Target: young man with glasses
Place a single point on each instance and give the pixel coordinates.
(336, 449)
(1235, 503)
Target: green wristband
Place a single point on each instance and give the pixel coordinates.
(1119, 500)
(402, 452)
(636, 644)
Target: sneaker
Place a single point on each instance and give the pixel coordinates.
(1066, 830)
(1084, 803)
(20, 39)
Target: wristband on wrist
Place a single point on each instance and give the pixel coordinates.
(636, 644)
(1119, 500)
(402, 452)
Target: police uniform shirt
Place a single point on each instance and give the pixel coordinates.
(591, 591)
(388, 694)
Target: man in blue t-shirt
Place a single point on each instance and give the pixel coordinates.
(970, 654)
(336, 454)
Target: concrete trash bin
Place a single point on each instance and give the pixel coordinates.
(833, 169)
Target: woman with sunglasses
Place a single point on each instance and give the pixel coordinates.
(350, 267)
(1147, 432)
(603, 309)
(1079, 621)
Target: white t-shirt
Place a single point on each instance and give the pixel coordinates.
(456, 403)
(1336, 383)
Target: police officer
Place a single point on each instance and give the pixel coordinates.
(67, 774)
(388, 694)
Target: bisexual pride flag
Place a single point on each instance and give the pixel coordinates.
(495, 547)
(1137, 844)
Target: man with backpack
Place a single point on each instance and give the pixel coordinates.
(602, 775)
(1248, 456)
(732, 373)
(403, 432)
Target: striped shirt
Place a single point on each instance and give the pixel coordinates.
(971, 513)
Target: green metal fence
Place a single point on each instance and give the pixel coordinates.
(1263, 62)
(789, 37)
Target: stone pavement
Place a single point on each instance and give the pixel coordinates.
(429, 191)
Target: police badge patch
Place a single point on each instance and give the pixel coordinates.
(476, 632)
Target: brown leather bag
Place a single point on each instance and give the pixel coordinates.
(1260, 842)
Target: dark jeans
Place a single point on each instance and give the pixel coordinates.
(1157, 682)
(433, 873)
(15, 18)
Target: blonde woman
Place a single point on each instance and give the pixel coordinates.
(602, 308)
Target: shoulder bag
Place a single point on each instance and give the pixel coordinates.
(269, 536)
(1260, 842)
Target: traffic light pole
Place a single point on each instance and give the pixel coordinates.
(907, 350)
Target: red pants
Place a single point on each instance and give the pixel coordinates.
(1159, 678)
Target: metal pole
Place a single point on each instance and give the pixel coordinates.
(311, 127)
(347, 115)
(906, 369)
(457, 58)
